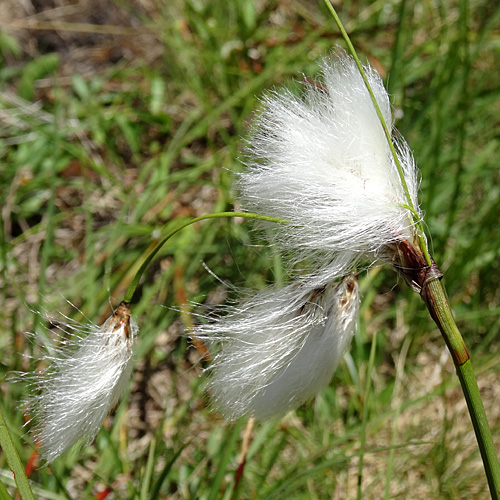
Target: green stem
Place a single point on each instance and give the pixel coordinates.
(435, 299)
(14, 461)
(417, 221)
(366, 397)
(248, 215)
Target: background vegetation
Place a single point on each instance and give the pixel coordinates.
(118, 117)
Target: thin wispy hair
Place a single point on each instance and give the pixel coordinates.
(275, 350)
(84, 372)
(321, 160)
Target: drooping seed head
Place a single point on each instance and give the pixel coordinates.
(84, 376)
(321, 160)
(279, 348)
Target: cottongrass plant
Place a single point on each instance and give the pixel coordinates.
(322, 161)
(83, 376)
(329, 162)
(323, 167)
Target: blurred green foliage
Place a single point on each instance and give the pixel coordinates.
(99, 157)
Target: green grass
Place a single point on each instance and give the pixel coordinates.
(97, 171)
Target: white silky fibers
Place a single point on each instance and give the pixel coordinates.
(275, 351)
(85, 377)
(321, 160)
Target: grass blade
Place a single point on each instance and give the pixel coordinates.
(14, 461)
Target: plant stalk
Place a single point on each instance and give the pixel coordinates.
(434, 296)
(248, 215)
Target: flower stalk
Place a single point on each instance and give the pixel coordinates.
(135, 282)
(435, 298)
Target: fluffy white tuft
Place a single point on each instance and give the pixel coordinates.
(85, 377)
(322, 162)
(276, 350)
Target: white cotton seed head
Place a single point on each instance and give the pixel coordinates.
(85, 376)
(277, 349)
(322, 161)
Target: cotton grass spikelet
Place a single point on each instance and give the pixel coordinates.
(322, 161)
(85, 377)
(277, 349)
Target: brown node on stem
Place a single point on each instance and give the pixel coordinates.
(410, 263)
